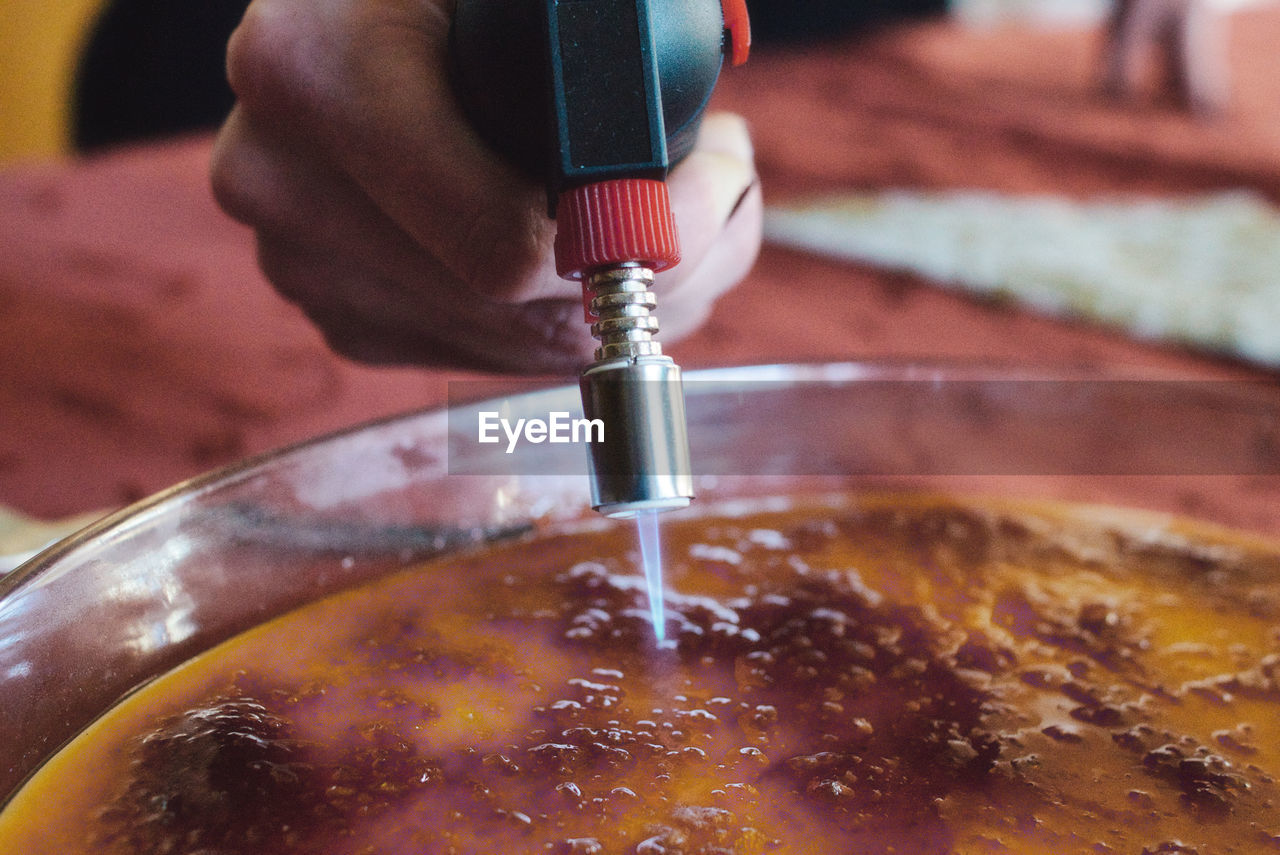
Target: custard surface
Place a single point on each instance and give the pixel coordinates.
(877, 674)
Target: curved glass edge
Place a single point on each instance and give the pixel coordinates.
(497, 500)
(185, 490)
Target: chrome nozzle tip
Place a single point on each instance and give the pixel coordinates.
(643, 462)
(627, 510)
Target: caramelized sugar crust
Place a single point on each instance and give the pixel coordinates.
(874, 675)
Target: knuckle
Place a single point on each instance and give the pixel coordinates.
(250, 52)
(267, 57)
(555, 336)
(280, 264)
(505, 253)
(354, 344)
(248, 180)
(239, 190)
(233, 193)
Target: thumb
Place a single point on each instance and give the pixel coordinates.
(717, 212)
(709, 185)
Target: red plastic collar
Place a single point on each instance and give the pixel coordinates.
(612, 222)
(737, 22)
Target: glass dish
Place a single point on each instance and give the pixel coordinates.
(147, 588)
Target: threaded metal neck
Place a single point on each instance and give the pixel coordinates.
(622, 301)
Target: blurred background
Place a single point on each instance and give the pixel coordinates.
(80, 74)
(40, 46)
(972, 181)
(83, 74)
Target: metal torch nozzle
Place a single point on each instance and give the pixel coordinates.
(643, 461)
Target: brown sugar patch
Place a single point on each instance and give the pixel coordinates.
(229, 776)
(1261, 682)
(847, 701)
(1207, 782)
(1092, 631)
(949, 538)
(916, 676)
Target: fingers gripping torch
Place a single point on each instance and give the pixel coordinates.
(599, 98)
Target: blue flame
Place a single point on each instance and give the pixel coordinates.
(651, 557)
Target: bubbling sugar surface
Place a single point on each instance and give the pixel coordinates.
(878, 674)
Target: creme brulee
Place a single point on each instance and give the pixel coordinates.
(874, 675)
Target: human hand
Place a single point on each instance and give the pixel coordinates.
(1190, 37)
(379, 211)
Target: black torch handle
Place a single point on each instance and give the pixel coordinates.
(582, 91)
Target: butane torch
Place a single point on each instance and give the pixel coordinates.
(600, 98)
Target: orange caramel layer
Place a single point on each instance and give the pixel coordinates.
(875, 674)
